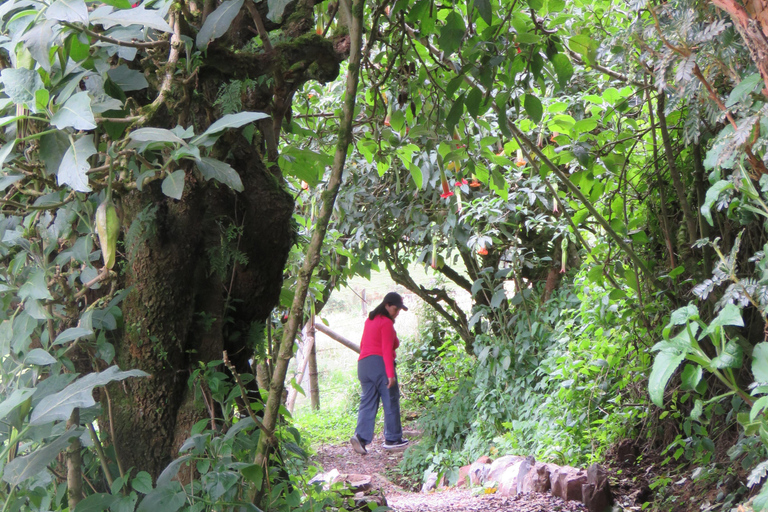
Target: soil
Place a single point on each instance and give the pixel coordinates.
(381, 465)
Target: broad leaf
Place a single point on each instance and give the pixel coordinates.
(452, 33)
(731, 357)
(173, 184)
(168, 498)
(22, 468)
(35, 287)
(745, 87)
(108, 18)
(220, 171)
(72, 11)
(563, 68)
(71, 334)
(18, 397)
(533, 107)
(128, 79)
(170, 472)
(78, 394)
(21, 84)
(760, 362)
(664, 366)
(39, 41)
(218, 22)
(155, 135)
(712, 194)
(229, 121)
(76, 113)
(691, 377)
(8, 180)
(96, 503)
(39, 357)
(74, 165)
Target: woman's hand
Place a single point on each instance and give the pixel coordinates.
(391, 382)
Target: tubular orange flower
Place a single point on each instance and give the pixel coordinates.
(446, 188)
(519, 161)
(482, 251)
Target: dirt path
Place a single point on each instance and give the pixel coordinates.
(381, 464)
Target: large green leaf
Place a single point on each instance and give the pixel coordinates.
(533, 107)
(22, 468)
(228, 121)
(76, 113)
(746, 86)
(21, 84)
(664, 366)
(712, 194)
(691, 377)
(563, 68)
(451, 33)
(72, 11)
(35, 287)
(218, 22)
(128, 79)
(78, 394)
(760, 362)
(107, 17)
(39, 40)
(173, 184)
(731, 357)
(39, 357)
(71, 334)
(18, 397)
(166, 498)
(74, 165)
(96, 503)
(220, 171)
(155, 135)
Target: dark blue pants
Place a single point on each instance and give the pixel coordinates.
(373, 379)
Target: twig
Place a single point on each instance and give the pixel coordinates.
(106, 39)
(270, 436)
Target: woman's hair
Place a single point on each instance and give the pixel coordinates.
(380, 310)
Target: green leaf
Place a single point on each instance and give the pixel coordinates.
(71, 334)
(22, 468)
(76, 113)
(74, 165)
(760, 404)
(42, 97)
(8, 180)
(499, 296)
(53, 147)
(455, 114)
(173, 184)
(664, 366)
(171, 470)
(691, 377)
(219, 21)
(760, 362)
(712, 194)
(229, 121)
(220, 171)
(35, 287)
(128, 79)
(745, 87)
(168, 498)
(142, 483)
(485, 10)
(59, 406)
(155, 135)
(39, 41)
(141, 16)
(21, 84)
(72, 11)
(472, 102)
(451, 33)
(304, 164)
(254, 474)
(533, 108)
(731, 357)
(120, 4)
(18, 397)
(96, 503)
(39, 357)
(563, 68)
(276, 9)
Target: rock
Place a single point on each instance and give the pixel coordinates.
(596, 493)
(526, 466)
(356, 482)
(484, 459)
(508, 480)
(478, 472)
(326, 478)
(567, 481)
(430, 483)
(500, 465)
(538, 478)
(464, 479)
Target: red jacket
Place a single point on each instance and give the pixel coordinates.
(380, 339)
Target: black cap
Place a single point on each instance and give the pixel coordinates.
(395, 299)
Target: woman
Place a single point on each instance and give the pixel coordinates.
(376, 371)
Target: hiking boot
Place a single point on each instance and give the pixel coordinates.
(396, 445)
(358, 445)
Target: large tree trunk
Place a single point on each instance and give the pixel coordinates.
(174, 287)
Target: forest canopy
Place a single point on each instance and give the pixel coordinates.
(185, 183)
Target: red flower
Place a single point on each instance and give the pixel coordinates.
(446, 189)
(482, 251)
(462, 182)
(474, 184)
